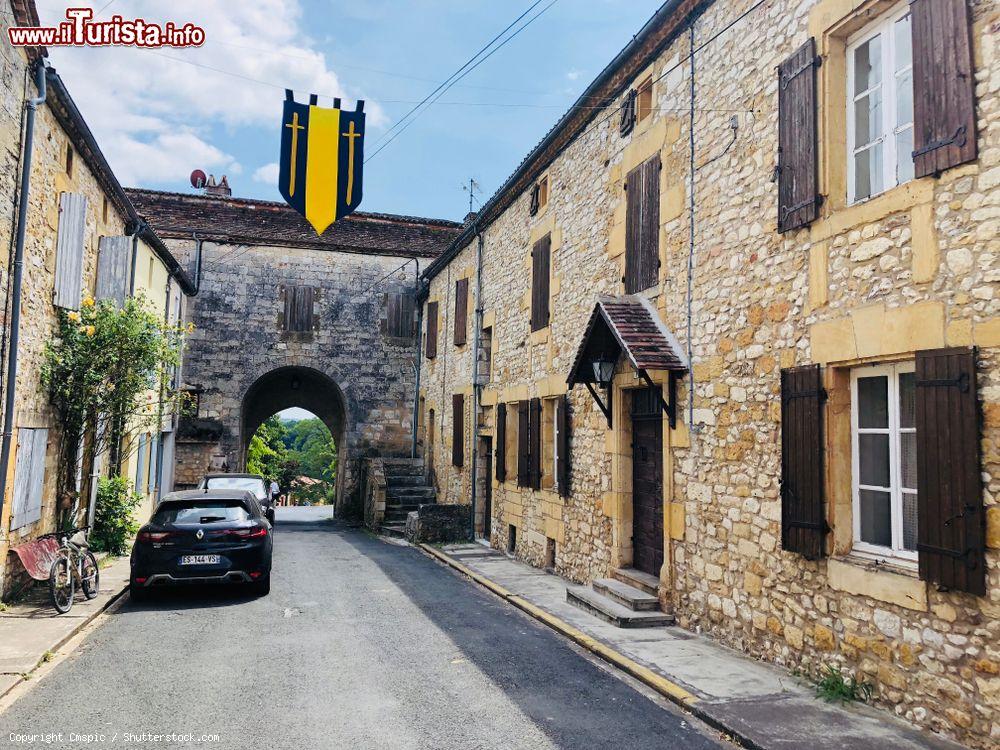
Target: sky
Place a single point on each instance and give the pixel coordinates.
(159, 114)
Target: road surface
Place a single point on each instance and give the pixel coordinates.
(361, 644)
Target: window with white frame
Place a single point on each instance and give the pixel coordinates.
(880, 106)
(884, 444)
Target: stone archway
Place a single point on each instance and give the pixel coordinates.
(294, 386)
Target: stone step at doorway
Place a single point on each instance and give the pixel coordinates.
(406, 489)
(628, 603)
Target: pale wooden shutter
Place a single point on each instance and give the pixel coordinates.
(950, 518)
(540, 271)
(535, 443)
(944, 105)
(431, 344)
(562, 445)
(461, 311)
(501, 440)
(803, 523)
(299, 308)
(798, 194)
(523, 452)
(112, 269)
(399, 314)
(458, 429)
(29, 476)
(69, 250)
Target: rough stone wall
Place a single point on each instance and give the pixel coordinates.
(915, 268)
(238, 339)
(39, 317)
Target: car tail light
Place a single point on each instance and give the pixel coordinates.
(254, 533)
(154, 536)
(255, 574)
(140, 580)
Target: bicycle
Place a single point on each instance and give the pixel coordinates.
(74, 563)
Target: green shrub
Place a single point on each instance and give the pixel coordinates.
(832, 687)
(113, 522)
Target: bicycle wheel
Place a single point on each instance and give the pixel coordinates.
(90, 578)
(62, 585)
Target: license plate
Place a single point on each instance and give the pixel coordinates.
(200, 559)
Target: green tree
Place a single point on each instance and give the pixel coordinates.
(267, 454)
(310, 443)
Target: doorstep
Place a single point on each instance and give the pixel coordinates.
(30, 628)
(760, 705)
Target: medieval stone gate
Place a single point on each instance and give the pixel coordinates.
(284, 318)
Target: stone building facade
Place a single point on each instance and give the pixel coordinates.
(69, 177)
(255, 352)
(863, 284)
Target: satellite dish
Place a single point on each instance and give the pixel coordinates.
(198, 179)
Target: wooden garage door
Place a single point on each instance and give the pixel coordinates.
(647, 483)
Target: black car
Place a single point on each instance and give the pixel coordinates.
(255, 483)
(203, 536)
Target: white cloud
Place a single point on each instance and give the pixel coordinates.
(574, 74)
(268, 174)
(154, 115)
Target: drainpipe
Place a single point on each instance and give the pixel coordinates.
(416, 359)
(475, 374)
(15, 310)
(198, 242)
(159, 407)
(137, 230)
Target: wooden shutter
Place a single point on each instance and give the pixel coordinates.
(798, 194)
(299, 308)
(950, 518)
(944, 105)
(562, 445)
(29, 476)
(627, 114)
(523, 452)
(431, 345)
(803, 523)
(535, 443)
(540, 262)
(536, 199)
(112, 269)
(458, 429)
(500, 435)
(461, 310)
(642, 226)
(69, 250)
(399, 308)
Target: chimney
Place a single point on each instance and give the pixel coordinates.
(220, 189)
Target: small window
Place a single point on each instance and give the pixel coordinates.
(884, 446)
(550, 553)
(880, 106)
(104, 211)
(644, 99)
(485, 355)
(511, 538)
(69, 160)
(543, 192)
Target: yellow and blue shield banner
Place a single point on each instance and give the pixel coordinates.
(322, 160)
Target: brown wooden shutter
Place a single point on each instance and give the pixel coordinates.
(562, 445)
(458, 429)
(461, 311)
(627, 114)
(944, 105)
(523, 452)
(500, 435)
(950, 518)
(798, 195)
(803, 523)
(535, 443)
(431, 343)
(642, 226)
(540, 261)
(299, 308)
(399, 306)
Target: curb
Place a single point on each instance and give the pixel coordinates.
(670, 690)
(65, 639)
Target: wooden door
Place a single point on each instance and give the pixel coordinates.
(488, 484)
(647, 486)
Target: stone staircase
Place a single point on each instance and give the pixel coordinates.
(405, 490)
(629, 600)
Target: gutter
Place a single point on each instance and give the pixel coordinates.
(18, 275)
(476, 385)
(590, 101)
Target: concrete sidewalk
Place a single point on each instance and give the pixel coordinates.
(32, 628)
(759, 705)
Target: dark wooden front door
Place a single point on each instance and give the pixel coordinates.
(647, 485)
(488, 493)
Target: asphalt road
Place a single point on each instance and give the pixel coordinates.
(361, 644)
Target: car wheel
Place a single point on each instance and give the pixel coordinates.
(138, 593)
(262, 586)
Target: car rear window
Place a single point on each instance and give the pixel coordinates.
(253, 484)
(201, 511)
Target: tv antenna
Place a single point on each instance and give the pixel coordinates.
(472, 188)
